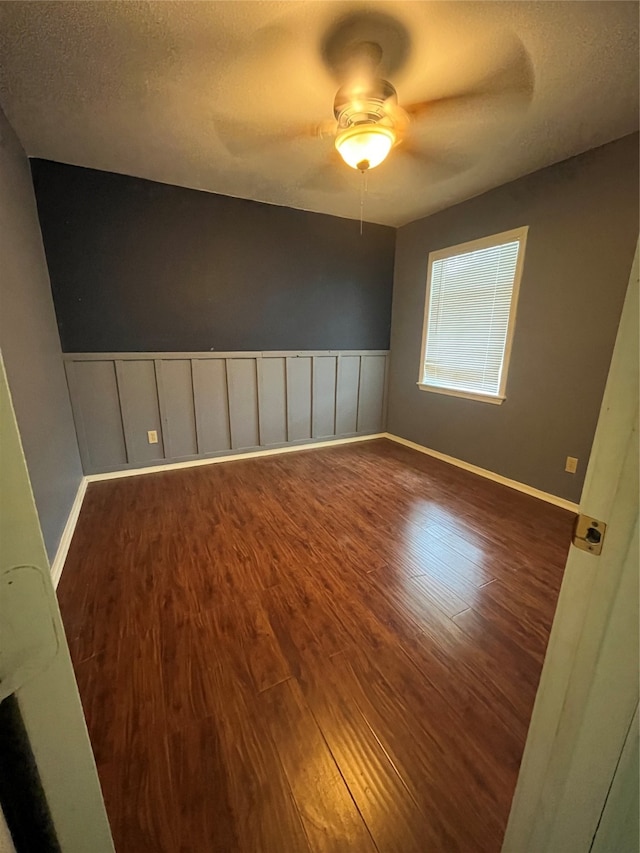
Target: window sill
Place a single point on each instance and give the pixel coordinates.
(467, 395)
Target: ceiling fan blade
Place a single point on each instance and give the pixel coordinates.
(509, 86)
(274, 72)
(445, 163)
(431, 169)
(243, 139)
(263, 50)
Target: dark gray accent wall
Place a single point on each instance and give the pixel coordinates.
(31, 347)
(583, 227)
(141, 266)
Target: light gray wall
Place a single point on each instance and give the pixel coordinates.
(583, 226)
(213, 404)
(31, 346)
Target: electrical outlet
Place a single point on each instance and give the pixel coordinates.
(571, 465)
(152, 436)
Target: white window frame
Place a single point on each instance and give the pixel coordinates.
(519, 234)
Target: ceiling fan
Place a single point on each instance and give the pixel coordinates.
(369, 120)
(361, 50)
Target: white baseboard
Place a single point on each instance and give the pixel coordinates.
(489, 475)
(229, 457)
(67, 534)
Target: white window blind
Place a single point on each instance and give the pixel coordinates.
(470, 308)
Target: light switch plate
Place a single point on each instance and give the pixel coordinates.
(571, 465)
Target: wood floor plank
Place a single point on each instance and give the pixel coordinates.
(392, 813)
(138, 813)
(329, 814)
(442, 595)
(330, 650)
(458, 690)
(265, 660)
(436, 776)
(248, 777)
(429, 555)
(189, 662)
(377, 617)
(203, 814)
(394, 818)
(122, 694)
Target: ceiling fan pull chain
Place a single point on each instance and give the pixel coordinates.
(364, 189)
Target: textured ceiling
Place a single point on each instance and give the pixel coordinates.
(207, 94)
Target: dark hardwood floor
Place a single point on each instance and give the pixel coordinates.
(329, 650)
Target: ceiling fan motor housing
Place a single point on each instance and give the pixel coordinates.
(371, 105)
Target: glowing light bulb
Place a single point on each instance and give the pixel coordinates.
(365, 146)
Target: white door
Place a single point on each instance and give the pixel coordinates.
(578, 778)
(37, 682)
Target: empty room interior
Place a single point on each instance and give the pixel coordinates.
(319, 386)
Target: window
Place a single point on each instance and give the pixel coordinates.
(472, 293)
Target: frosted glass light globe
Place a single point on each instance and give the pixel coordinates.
(365, 146)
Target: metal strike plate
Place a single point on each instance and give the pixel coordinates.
(588, 534)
